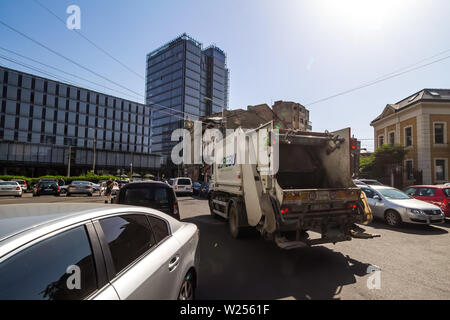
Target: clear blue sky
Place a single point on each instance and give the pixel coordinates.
(277, 50)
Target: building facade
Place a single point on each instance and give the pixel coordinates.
(183, 80)
(41, 120)
(420, 123)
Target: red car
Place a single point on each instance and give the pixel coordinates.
(437, 195)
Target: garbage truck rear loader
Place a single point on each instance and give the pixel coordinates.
(294, 187)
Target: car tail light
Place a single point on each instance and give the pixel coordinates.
(24, 183)
(18, 188)
(175, 187)
(59, 188)
(175, 208)
(445, 201)
(284, 210)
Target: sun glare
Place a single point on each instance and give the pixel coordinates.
(372, 14)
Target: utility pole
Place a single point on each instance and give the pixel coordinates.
(95, 145)
(68, 162)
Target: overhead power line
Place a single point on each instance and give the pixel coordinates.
(394, 75)
(65, 72)
(68, 59)
(90, 41)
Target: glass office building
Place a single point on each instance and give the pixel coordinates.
(41, 118)
(184, 80)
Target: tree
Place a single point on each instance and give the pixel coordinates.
(385, 159)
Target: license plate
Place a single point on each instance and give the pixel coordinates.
(48, 189)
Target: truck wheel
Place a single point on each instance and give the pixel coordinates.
(233, 221)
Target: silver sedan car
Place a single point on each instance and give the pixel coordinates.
(92, 251)
(396, 207)
(10, 188)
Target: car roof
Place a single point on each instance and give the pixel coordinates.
(143, 183)
(379, 187)
(21, 219)
(430, 186)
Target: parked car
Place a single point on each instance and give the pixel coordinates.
(196, 187)
(22, 183)
(63, 189)
(10, 188)
(437, 195)
(204, 191)
(371, 182)
(46, 188)
(359, 183)
(156, 195)
(396, 207)
(95, 187)
(119, 252)
(80, 187)
(183, 186)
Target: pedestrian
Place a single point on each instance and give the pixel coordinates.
(109, 186)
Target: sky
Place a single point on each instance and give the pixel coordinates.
(292, 50)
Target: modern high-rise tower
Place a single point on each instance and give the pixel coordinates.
(183, 80)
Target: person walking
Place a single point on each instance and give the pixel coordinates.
(109, 186)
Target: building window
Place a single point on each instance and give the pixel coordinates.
(408, 137)
(409, 166)
(440, 169)
(380, 141)
(439, 133)
(392, 138)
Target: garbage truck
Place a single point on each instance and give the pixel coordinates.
(293, 187)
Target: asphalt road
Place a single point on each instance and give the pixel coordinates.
(414, 261)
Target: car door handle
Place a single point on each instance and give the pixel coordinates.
(174, 262)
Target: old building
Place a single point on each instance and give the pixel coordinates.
(420, 123)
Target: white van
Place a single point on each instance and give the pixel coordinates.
(183, 185)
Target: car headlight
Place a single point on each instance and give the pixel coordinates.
(417, 212)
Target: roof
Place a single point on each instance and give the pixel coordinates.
(430, 95)
(18, 218)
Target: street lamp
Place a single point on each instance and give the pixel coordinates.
(95, 147)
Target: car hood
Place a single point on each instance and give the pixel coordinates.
(414, 204)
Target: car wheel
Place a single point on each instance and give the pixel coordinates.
(392, 218)
(187, 291)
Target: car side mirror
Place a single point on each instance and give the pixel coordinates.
(376, 197)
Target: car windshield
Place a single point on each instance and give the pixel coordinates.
(80, 182)
(184, 182)
(145, 196)
(446, 192)
(394, 194)
(47, 184)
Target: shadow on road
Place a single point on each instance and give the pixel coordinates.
(417, 229)
(256, 269)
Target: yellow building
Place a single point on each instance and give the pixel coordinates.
(420, 123)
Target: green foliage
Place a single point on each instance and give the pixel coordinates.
(385, 157)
